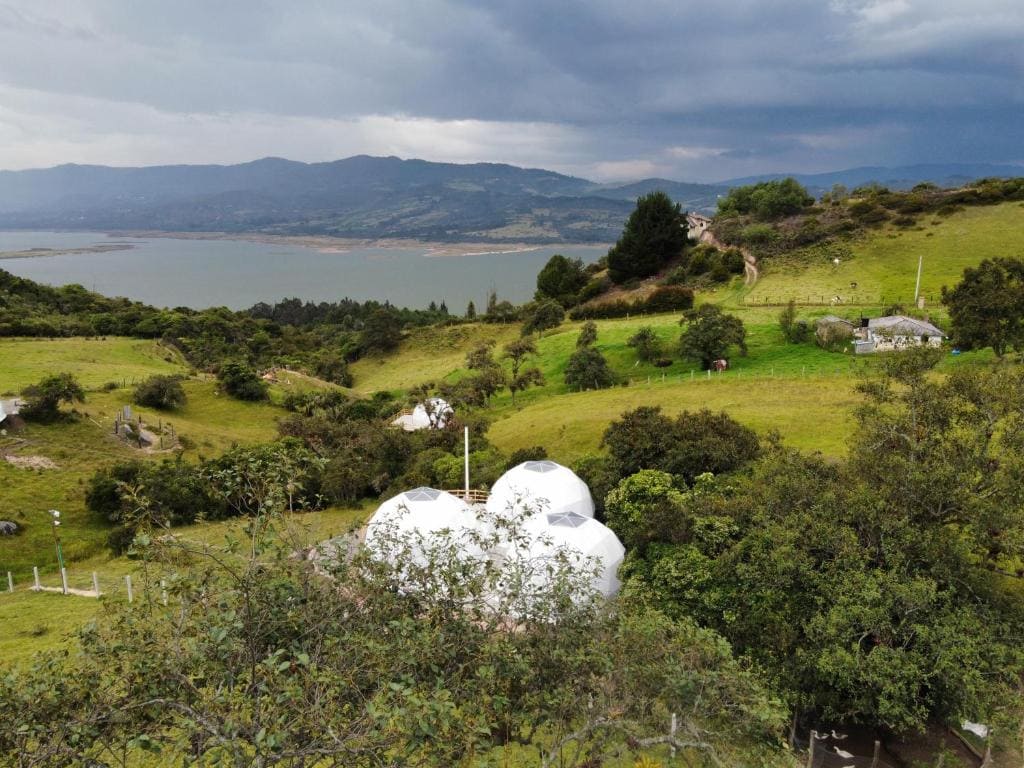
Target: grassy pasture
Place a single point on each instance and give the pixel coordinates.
(94, 362)
(884, 264)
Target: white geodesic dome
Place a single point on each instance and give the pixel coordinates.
(592, 545)
(540, 486)
(433, 414)
(422, 511)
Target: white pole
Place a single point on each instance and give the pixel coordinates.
(163, 591)
(673, 734)
(95, 583)
(64, 579)
(128, 582)
(10, 582)
(35, 575)
(917, 287)
(466, 454)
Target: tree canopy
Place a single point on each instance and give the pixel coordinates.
(654, 234)
(987, 306)
(709, 333)
(766, 200)
(43, 399)
(561, 279)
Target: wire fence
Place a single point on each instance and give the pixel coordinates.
(87, 584)
(837, 300)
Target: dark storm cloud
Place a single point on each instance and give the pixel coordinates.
(601, 88)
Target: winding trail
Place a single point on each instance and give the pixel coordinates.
(750, 270)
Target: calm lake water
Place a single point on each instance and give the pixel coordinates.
(170, 272)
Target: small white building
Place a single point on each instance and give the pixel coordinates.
(433, 414)
(895, 332)
(696, 225)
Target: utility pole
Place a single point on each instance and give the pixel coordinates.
(55, 519)
(466, 456)
(917, 286)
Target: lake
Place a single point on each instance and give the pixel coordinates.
(170, 272)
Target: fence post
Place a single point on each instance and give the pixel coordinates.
(64, 579)
(95, 583)
(35, 576)
(672, 733)
(874, 759)
(810, 750)
(10, 582)
(128, 583)
(709, 374)
(163, 591)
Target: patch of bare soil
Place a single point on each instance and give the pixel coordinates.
(30, 462)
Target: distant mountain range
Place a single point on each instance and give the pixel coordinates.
(377, 197)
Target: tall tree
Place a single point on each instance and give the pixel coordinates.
(522, 377)
(987, 306)
(561, 279)
(655, 233)
(709, 333)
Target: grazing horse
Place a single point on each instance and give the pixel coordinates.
(720, 365)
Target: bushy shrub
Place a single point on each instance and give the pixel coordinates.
(43, 400)
(766, 200)
(239, 380)
(669, 298)
(543, 316)
(588, 369)
(160, 392)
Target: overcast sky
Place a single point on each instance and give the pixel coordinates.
(599, 88)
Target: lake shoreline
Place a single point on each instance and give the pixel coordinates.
(319, 243)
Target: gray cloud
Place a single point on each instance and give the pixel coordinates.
(600, 88)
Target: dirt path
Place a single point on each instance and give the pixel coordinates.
(750, 271)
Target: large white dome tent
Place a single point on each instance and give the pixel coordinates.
(424, 512)
(540, 487)
(539, 519)
(595, 544)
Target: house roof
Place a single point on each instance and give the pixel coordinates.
(904, 326)
(832, 319)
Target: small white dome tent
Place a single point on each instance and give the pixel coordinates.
(433, 414)
(540, 486)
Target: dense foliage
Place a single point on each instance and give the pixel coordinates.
(561, 279)
(239, 380)
(161, 392)
(587, 368)
(766, 200)
(709, 334)
(261, 659)
(986, 308)
(884, 589)
(654, 234)
(43, 399)
(686, 446)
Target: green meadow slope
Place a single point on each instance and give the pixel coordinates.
(803, 393)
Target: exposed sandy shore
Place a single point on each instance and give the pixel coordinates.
(38, 253)
(328, 244)
(321, 243)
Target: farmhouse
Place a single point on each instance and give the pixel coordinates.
(696, 224)
(896, 332)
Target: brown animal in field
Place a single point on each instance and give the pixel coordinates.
(720, 365)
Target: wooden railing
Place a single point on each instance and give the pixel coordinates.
(473, 496)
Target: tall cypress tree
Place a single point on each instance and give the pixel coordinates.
(654, 234)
